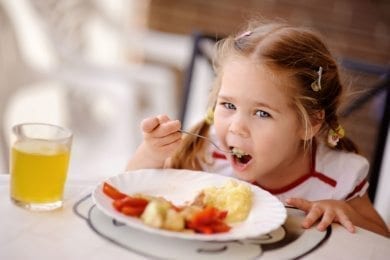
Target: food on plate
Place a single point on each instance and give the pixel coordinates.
(112, 192)
(160, 213)
(209, 213)
(233, 197)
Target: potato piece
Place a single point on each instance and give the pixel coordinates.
(189, 211)
(154, 214)
(174, 220)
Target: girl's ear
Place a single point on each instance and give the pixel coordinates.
(316, 123)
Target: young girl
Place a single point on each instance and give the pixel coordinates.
(274, 104)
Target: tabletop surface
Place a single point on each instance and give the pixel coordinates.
(80, 230)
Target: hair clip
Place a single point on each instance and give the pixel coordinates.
(316, 85)
(209, 118)
(245, 34)
(334, 136)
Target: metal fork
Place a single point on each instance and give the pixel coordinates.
(207, 139)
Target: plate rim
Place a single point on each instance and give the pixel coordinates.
(139, 225)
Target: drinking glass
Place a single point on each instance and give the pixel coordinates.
(39, 160)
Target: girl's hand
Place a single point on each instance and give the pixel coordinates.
(326, 211)
(161, 139)
(161, 136)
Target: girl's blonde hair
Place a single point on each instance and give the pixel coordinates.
(300, 52)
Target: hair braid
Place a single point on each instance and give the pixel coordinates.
(344, 143)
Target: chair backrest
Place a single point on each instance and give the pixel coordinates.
(198, 80)
(375, 100)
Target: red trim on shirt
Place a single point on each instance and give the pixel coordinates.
(324, 178)
(320, 176)
(358, 188)
(287, 187)
(217, 155)
(312, 174)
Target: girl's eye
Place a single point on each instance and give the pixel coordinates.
(229, 105)
(261, 113)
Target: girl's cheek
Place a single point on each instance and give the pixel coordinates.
(221, 122)
(221, 130)
(219, 115)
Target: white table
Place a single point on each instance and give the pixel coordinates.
(62, 234)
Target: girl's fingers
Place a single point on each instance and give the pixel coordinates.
(301, 204)
(163, 119)
(314, 214)
(166, 129)
(149, 124)
(160, 126)
(169, 128)
(173, 145)
(327, 219)
(166, 140)
(324, 210)
(344, 220)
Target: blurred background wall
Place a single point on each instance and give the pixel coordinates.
(80, 64)
(358, 29)
(99, 67)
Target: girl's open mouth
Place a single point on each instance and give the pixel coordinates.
(240, 156)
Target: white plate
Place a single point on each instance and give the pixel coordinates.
(180, 186)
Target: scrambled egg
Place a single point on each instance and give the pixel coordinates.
(234, 197)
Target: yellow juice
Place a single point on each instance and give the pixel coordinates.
(38, 171)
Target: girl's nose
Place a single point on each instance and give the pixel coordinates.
(239, 127)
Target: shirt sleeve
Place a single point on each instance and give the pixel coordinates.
(348, 169)
(353, 179)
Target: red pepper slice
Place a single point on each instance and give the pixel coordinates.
(208, 221)
(132, 211)
(112, 192)
(130, 202)
(222, 215)
(204, 229)
(220, 227)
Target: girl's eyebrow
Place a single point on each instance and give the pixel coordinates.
(262, 104)
(223, 97)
